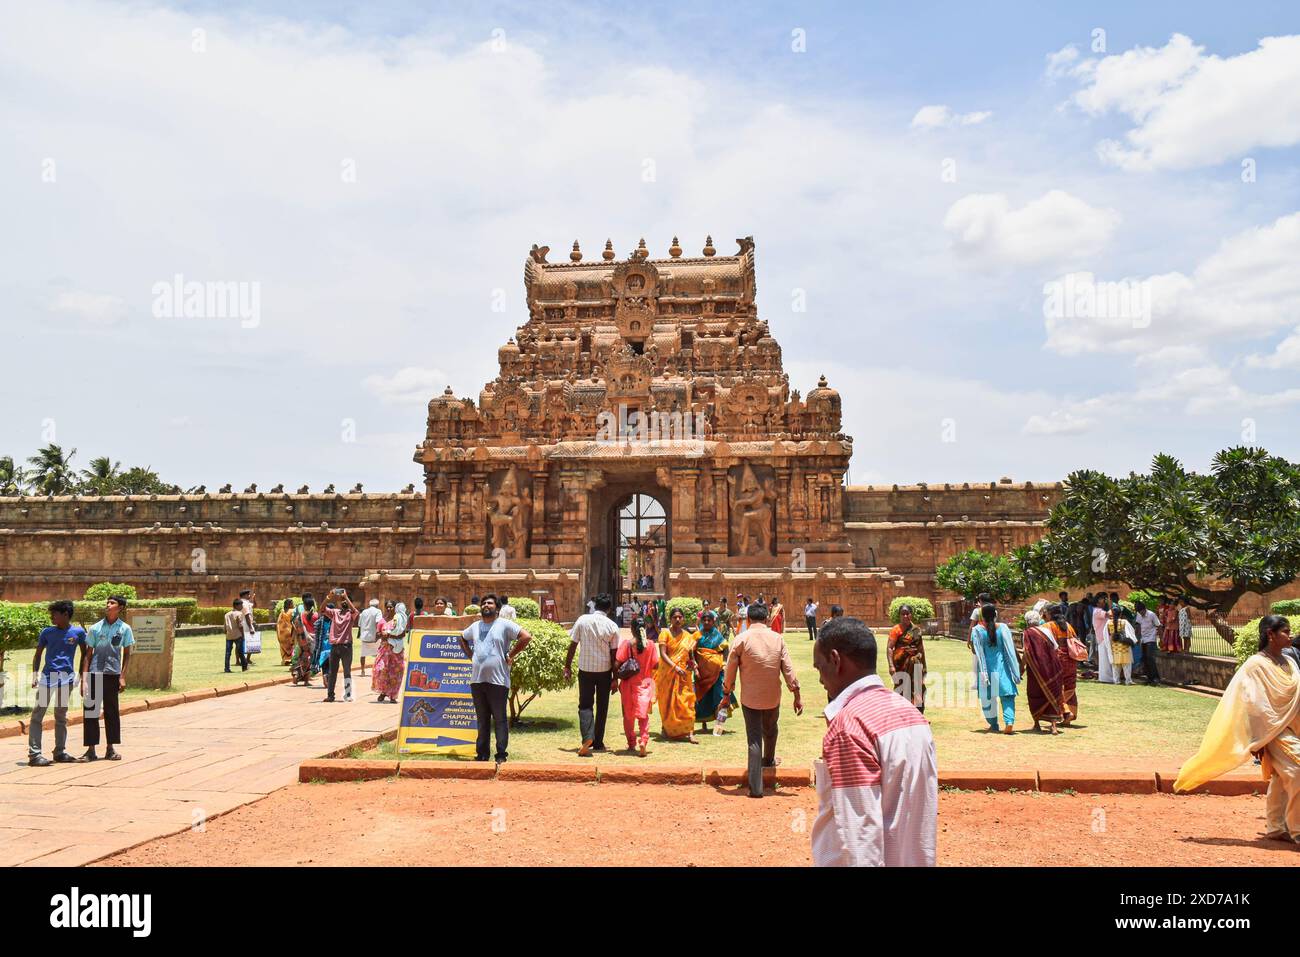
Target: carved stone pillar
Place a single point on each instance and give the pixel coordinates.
(686, 547)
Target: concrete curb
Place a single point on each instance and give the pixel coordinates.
(333, 769)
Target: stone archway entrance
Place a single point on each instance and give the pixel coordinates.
(639, 534)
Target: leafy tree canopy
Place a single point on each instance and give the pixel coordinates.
(973, 572)
(1208, 538)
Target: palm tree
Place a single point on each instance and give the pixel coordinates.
(12, 477)
(102, 477)
(52, 472)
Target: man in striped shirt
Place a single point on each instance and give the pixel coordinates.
(877, 781)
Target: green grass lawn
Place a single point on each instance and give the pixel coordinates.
(198, 662)
(1133, 727)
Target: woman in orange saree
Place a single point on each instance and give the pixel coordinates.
(675, 679)
(1062, 631)
(907, 659)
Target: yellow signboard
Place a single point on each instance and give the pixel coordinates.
(437, 707)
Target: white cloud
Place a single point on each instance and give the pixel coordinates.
(1190, 109)
(407, 386)
(1054, 227)
(1247, 288)
(937, 117)
(1057, 423)
(1063, 62)
(99, 309)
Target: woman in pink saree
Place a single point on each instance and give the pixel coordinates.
(638, 690)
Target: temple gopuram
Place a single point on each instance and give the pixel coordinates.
(641, 420)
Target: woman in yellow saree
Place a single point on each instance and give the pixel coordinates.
(284, 632)
(1258, 714)
(675, 679)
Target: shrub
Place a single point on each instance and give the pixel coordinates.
(471, 610)
(922, 609)
(1145, 595)
(1288, 606)
(216, 615)
(525, 607)
(106, 590)
(540, 666)
(21, 624)
(1247, 642)
(690, 607)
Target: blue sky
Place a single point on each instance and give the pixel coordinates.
(918, 174)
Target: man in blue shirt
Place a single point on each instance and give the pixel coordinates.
(59, 644)
(487, 644)
(109, 652)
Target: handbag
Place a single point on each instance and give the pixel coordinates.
(628, 668)
(1076, 648)
(253, 643)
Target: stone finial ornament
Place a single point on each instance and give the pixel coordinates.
(608, 254)
(675, 250)
(576, 254)
(708, 246)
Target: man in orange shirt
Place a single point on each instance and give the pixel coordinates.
(760, 658)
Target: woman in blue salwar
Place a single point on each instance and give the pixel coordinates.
(997, 669)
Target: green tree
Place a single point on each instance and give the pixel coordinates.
(973, 572)
(142, 481)
(12, 477)
(102, 477)
(539, 667)
(1207, 538)
(52, 472)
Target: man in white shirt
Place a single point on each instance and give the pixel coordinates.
(595, 638)
(1149, 628)
(368, 623)
(810, 619)
(877, 779)
(507, 612)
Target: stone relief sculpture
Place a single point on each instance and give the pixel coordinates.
(752, 513)
(506, 509)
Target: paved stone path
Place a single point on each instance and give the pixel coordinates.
(179, 766)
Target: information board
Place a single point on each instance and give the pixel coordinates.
(436, 705)
(150, 633)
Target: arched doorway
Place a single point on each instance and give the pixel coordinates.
(641, 547)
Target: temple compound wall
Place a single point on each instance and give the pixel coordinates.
(633, 380)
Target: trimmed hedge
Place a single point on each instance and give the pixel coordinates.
(525, 607)
(20, 625)
(922, 609)
(216, 615)
(103, 591)
(471, 610)
(690, 607)
(1288, 606)
(1247, 642)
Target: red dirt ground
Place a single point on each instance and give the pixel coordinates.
(398, 821)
